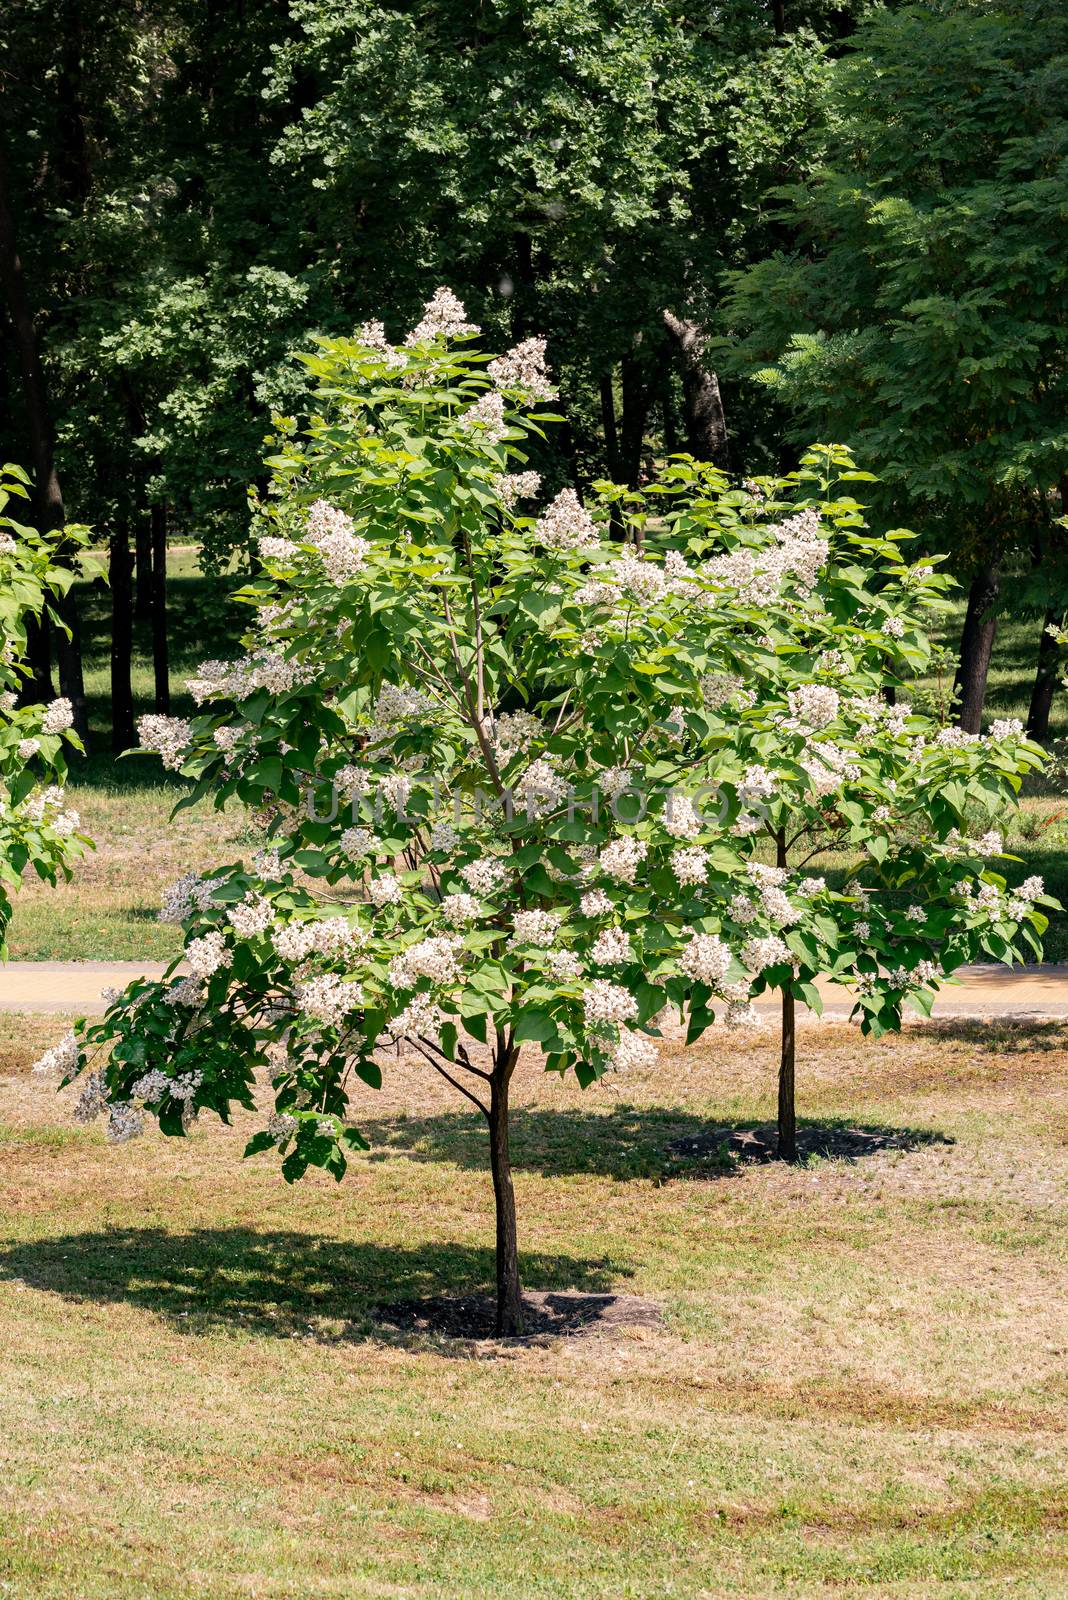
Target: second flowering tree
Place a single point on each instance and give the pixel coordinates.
(525, 786)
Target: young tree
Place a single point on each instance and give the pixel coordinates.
(923, 313)
(519, 781)
(37, 829)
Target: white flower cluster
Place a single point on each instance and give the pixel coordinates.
(253, 915)
(621, 858)
(566, 524)
(740, 1012)
(690, 865)
(563, 964)
(46, 806)
(459, 909)
(443, 317)
(759, 574)
(185, 895)
(705, 958)
(524, 369)
(605, 1002)
(512, 487)
(487, 416)
(421, 1018)
(513, 732)
(1006, 728)
(327, 937)
(341, 549)
(167, 737)
(757, 784)
(384, 891)
(436, 958)
(768, 952)
(156, 1085)
(718, 689)
(611, 948)
(484, 876)
(58, 717)
(813, 705)
(208, 954)
(633, 1052)
(237, 680)
(774, 901)
(829, 768)
(373, 336)
(28, 748)
(538, 928)
(541, 789)
(61, 1059)
(328, 999)
(595, 903)
(681, 820)
(357, 841)
(893, 627)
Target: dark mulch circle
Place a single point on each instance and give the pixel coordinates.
(741, 1146)
(548, 1313)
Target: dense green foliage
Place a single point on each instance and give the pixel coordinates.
(923, 312)
(38, 832)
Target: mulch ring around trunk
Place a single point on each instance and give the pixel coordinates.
(548, 1314)
(727, 1148)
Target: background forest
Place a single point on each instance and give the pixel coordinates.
(741, 227)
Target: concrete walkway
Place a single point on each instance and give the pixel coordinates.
(1035, 993)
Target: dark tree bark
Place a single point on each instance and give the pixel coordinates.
(509, 1295)
(38, 687)
(977, 645)
(120, 574)
(706, 426)
(1045, 685)
(48, 499)
(778, 17)
(786, 1148)
(160, 662)
(635, 396)
(143, 557)
(611, 432)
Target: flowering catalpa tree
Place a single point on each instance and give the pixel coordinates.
(523, 784)
(37, 828)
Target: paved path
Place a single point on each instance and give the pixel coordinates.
(983, 991)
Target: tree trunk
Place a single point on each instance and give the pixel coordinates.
(786, 1148)
(635, 395)
(509, 1298)
(160, 668)
(787, 1142)
(37, 688)
(143, 557)
(48, 499)
(977, 645)
(1045, 684)
(706, 426)
(778, 17)
(69, 661)
(611, 434)
(120, 573)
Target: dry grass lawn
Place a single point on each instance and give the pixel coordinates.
(860, 1385)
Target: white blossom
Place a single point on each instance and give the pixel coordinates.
(459, 909)
(608, 1002)
(384, 891)
(767, 952)
(705, 958)
(443, 317)
(566, 524)
(58, 716)
(611, 948)
(207, 954)
(621, 858)
(535, 927)
(690, 864)
(167, 737)
(524, 369)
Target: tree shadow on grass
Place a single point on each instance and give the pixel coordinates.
(1003, 1036)
(277, 1284)
(624, 1143)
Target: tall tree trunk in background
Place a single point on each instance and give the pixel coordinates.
(120, 575)
(143, 558)
(48, 498)
(38, 688)
(611, 432)
(1047, 671)
(706, 426)
(976, 646)
(160, 665)
(637, 396)
(778, 17)
(1045, 685)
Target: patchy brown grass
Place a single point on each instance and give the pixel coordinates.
(859, 1385)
